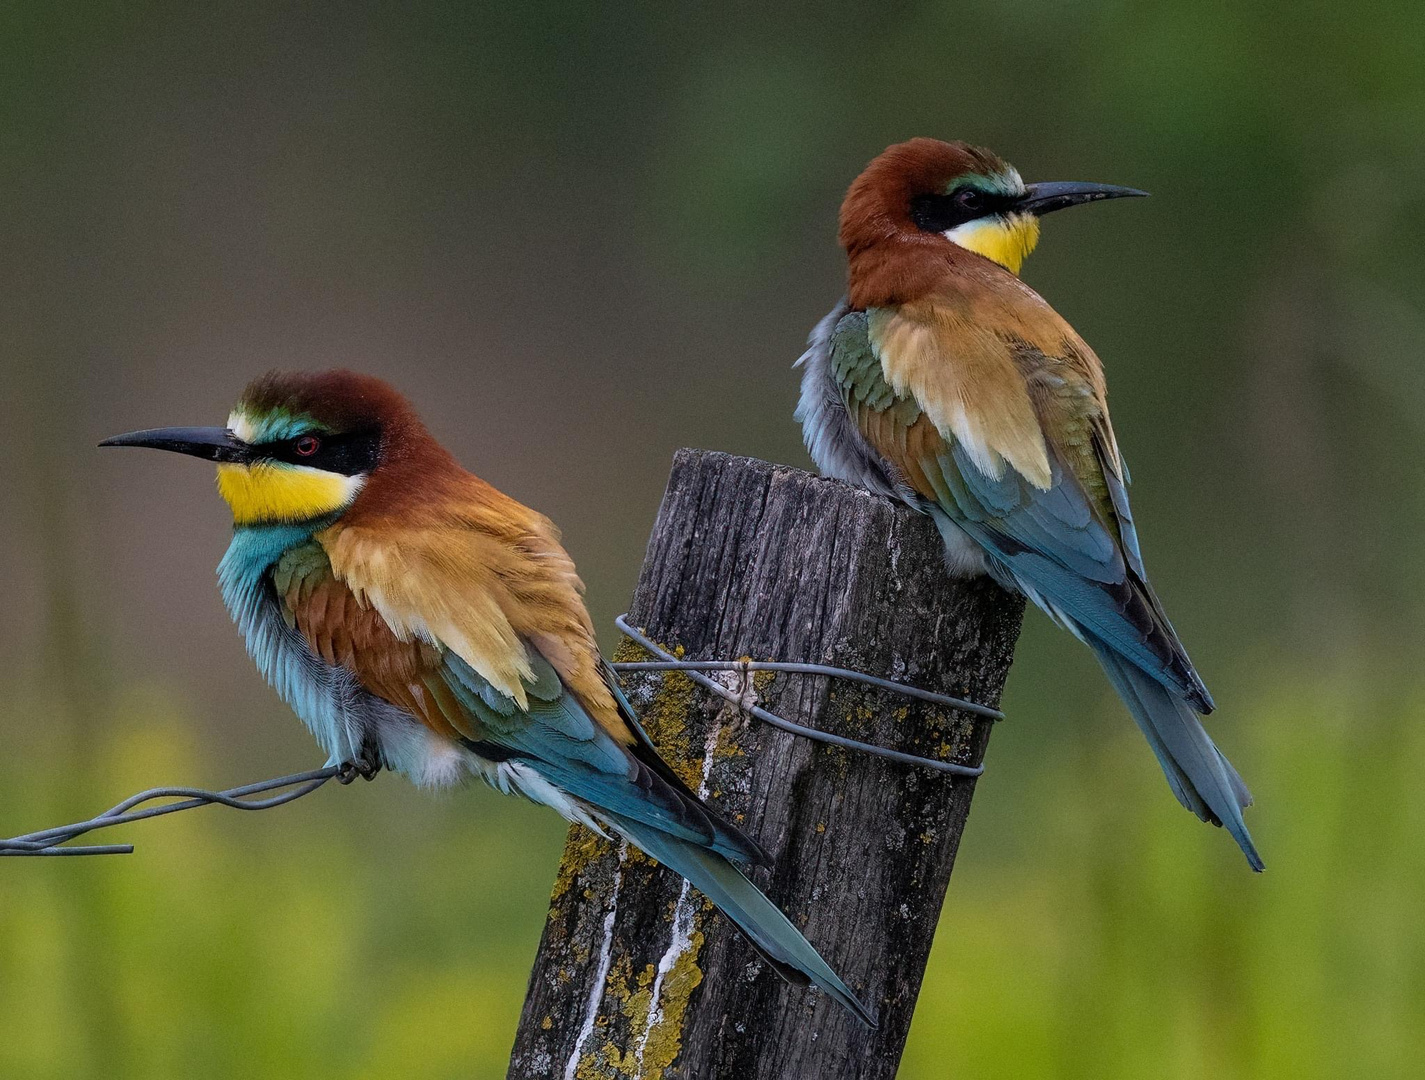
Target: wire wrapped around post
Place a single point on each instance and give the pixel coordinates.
(694, 668)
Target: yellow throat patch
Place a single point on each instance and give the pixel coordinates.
(1006, 240)
(270, 493)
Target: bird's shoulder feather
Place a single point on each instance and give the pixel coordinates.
(344, 632)
(483, 577)
(551, 727)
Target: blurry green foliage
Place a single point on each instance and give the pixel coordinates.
(274, 944)
(1128, 946)
(1135, 943)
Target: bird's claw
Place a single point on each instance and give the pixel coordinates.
(364, 767)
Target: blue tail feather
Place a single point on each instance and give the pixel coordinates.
(773, 934)
(1200, 776)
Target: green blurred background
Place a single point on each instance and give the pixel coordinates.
(581, 236)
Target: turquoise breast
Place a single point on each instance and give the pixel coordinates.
(326, 698)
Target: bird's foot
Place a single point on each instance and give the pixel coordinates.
(366, 767)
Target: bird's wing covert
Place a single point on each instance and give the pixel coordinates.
(550, 727)
(1064, 534)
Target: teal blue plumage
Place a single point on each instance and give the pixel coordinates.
(558, 739)
(324, 697)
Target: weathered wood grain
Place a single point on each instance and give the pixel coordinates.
(636, 975)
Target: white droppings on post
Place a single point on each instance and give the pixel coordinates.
(606, 957)
(681, 939)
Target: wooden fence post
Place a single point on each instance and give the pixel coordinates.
(637, 976)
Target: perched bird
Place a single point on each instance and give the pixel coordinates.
(417, 619)
(942, 379)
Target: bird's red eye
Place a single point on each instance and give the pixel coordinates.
(307, 445)
(970, 199)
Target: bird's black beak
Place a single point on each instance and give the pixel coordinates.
(212, 443)
(1041, 199)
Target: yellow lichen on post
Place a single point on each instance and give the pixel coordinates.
(660, 1022)
(594, 1065)
(664, 1039)
(581, 848)
(665, 716)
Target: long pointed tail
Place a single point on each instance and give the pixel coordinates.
(1201, 777)
(781, 943)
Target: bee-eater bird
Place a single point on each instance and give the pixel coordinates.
(417, 619)
(943, 380)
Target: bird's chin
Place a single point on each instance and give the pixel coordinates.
(1007, 240)
(278, 493)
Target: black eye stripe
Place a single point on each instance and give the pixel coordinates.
(935, 212)
(347, 453)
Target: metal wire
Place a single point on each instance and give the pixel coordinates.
(694, 669)
(55, 841)
(47, 841)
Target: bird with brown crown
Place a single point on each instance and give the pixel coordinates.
(417, 619)
(945, 381)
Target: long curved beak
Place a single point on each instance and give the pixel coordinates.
(211, 443)
(1041, 199)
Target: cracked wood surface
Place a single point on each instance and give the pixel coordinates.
(636, 975)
